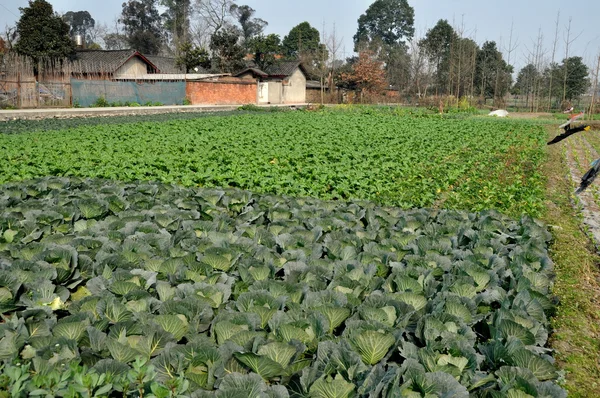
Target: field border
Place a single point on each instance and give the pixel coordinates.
(576, 325)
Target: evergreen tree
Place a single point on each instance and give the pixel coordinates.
(43, 33)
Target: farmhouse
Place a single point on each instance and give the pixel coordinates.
(113, 64)
(281, 83)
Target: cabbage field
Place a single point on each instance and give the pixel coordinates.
(326, 255)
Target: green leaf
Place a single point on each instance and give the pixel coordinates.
(541, 368)
(416, 300)
(263, 366)
(217, 262)
(72, 330)
(122, 288)
(278, 352)
(289, 333)
(119, 351)
(225, 330)
(5, 295)
(326, 387)
(114, 311)
(9, 235)
(458, 310)
(165, 291)
(510, 328)
(259, 273)
(264, 313)
(464, 290)
(372, 345)
(174, 324)
(335, 315)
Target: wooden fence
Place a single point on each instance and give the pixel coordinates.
(26, 84)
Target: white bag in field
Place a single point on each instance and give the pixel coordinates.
(499, 113)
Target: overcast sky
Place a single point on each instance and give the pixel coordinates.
(483, 20)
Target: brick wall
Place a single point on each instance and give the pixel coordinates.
(229, 91)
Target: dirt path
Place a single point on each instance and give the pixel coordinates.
(579, 153)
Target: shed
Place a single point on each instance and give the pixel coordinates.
(112, 64)
(281, 83)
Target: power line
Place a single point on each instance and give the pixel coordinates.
(9, 10)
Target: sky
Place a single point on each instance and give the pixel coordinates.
(481, 22)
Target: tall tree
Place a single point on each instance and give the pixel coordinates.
(142, 25)
(251, 27)
(176, 20)
(265, 49)
(301, 39)
(462, 67)
(43, 33)
(493, 74)
(388, 21)
(437, 44)
(552, 87)
(577, 81)
(80, 23)
(525, 84)
(228, 54)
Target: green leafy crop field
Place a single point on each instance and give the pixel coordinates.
(470, 164)
(357, 253)
(159, 290)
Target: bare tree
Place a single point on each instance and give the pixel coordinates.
(511, 47)
(215, 14)
(10, 36)
(568, 41)
(553, 59)
(536, 57)
(97, 34)
(334, 45)
(461, 33)
(540, 57)
(421, 70)
(473, 65)
(594, 93)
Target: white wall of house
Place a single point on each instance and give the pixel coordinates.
(133, 67)
(294, 88)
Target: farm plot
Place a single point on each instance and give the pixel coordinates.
(136, 288)
(390, 159)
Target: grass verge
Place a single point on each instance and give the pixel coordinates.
(577, 322)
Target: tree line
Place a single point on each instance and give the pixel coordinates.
(224, 36)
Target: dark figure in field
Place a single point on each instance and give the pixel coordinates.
(568, 132)
(589, 177)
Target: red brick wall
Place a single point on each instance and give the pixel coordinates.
(225, 92)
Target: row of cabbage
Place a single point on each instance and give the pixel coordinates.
(149, 289)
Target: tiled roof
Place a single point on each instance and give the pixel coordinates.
(284, 68)
(278, 69)
(167, 65)
(254, 71)
(106, 61)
